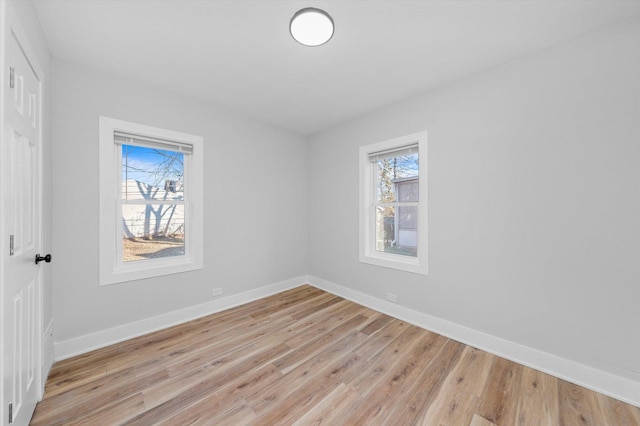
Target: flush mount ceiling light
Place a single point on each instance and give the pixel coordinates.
(311, 27)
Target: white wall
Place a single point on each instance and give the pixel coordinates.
(534, 202)
(255, 202)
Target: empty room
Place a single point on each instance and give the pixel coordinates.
(321, 212)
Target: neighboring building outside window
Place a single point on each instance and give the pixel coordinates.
(393, 203)
(150, 201)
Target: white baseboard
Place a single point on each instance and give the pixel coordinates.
(600, 381)
(82, 344)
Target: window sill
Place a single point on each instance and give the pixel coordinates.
(148, 269)
(394, 261)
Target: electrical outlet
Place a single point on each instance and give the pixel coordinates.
(217, 291)
(392, 297)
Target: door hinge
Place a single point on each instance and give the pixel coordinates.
(10, 245)
(10, 412)
(12, 77)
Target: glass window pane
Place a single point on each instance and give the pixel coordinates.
(392, 173)
(407, 189)
(385, 227)
(408, 218)
(397, 234)
(152, 231)
(152, 174)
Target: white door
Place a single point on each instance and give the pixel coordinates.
(21, 231)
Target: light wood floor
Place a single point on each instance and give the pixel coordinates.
(308, 357)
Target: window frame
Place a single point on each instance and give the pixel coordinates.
(113, 269)
(368, 202)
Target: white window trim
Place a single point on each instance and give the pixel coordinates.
(368, 253)
(112, 269)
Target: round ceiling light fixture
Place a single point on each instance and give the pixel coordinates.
(311, 27)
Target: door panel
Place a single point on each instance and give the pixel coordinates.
(21, 157)
(22, 278)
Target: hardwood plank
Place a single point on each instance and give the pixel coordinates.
(324, 412)
(320, 303)
(308, 383)
(105, 392)
(480, 421)
(578, 406)
(387, 334)
(220, 406)
(452, 409)
(618, 413)
(473, 370)
(228, 346)
(209, 384)
(206, 410)
(372, 361)
(299, 355)
(180, 380)
(319, 324)
(427, 385)
(458, 400)
(287, 406)
(60, 383)
(89, 361)
(392, 387)
(233, 337)
(538, 403)
(127, 408)
(305, 356)
(285, 300)
(392, 355)
(241, 415)
(380, 322)
(499, 398)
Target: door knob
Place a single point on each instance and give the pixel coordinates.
(46, 258)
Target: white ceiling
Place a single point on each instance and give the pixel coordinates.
(239, 54)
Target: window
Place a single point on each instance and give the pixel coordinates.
(393, 203)
(150, 201)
